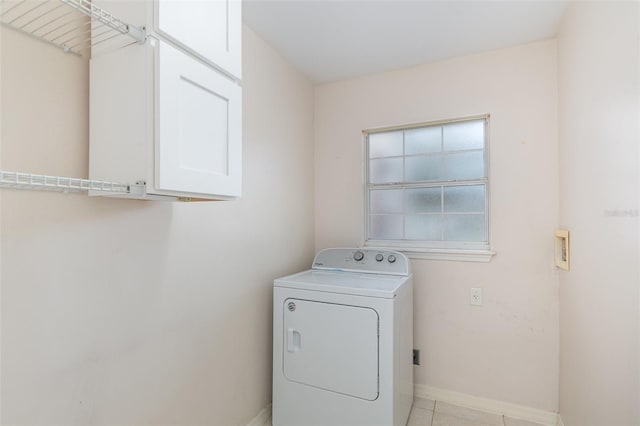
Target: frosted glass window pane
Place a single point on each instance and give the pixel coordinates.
(424, 227)
(466, 165)
(423, 141)
(422, 168)
(464, 227)
(386, 201)
(465, 135)
(385, 170)
(387, 144)
(385, 227)
(464, 198)
(424, 200)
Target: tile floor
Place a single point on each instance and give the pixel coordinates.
(426, 412)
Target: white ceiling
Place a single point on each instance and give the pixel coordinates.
(335, 39)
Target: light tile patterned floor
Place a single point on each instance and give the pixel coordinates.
(426, 412)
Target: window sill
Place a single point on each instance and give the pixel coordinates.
(482, 256)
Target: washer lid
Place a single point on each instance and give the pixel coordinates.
(358, 284)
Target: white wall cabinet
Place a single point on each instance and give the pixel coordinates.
(163, 115)
(199, 123)
(213, 32)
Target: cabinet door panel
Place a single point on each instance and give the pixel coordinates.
(199, 127)
(210, 29)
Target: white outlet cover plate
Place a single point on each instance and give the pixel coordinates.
(475, 296)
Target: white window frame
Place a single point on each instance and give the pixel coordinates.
(438, 250)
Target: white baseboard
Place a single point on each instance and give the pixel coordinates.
(262, 417)
(560, 423)
(516, 411)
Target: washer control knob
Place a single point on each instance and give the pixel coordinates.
(391, 258)
(358, 256)
(379, 257)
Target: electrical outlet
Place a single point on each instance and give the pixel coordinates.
(476, 296)
(416, 357)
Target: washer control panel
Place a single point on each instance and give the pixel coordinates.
(366, 260)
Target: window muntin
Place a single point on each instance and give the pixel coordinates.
(427, 185)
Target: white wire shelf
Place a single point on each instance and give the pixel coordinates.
(75, 26)
(17, 180)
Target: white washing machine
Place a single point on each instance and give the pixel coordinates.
(343, 341)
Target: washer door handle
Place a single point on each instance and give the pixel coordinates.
(293, 340)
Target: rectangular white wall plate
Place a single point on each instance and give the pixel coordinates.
(562, 249)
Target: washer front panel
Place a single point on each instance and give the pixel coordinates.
(331, 346)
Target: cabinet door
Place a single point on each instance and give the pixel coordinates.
(199, 126)
(211, 29)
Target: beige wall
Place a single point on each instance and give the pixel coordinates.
(507, 349)
(599, 135)
(1, 316)
(131, 312)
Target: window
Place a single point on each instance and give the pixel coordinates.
(426, 186)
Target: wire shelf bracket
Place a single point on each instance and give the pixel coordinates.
(18, 180)
(75, 26)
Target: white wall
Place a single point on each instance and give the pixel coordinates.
(507, 349)
(131, 312)
(599, 82)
